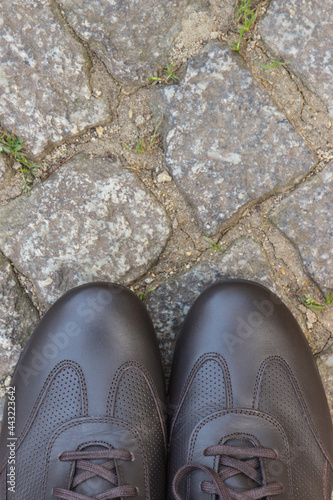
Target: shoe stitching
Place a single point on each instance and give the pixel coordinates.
(134, 365)
(325, 482)
(296, 388)
(52, 375)
(197, 366)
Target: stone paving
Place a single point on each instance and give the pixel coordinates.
(222, 168)
(223, 132)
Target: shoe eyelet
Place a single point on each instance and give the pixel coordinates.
(132, 457)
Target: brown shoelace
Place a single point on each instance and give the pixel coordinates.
(90, 470)
(248, 463)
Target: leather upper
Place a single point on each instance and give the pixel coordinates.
(243, 373)
(90, 378)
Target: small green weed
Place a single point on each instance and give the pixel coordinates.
(154, 138)
(139, 147)
(308, 301)
(143, 295)
(214, 245)
(245, 18)
(273, 65)
(12, 146)
(146, 145)
(329, 298)
(164, 76)
(171, 75)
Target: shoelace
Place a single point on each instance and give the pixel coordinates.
(230, 465)
(90, 470)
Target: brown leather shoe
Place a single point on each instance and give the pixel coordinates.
(89, 395)
(250, 418)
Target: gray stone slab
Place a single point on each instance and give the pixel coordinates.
(131, 36)
(18, 317)
(226, 142)
(169, 304)
(9, 355)
(3, 168)
(6, 175)
(301, 32)
(224, 13)
(91, 220)
(305, 216)
(45, 94)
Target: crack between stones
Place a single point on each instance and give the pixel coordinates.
(190, 237)
(298, 253)
(242, 213)
(242, 210)
(248, 55)
(330, 337)
(18, 278)
(90, 51)
(153, 263)
(278, 191)
(58, 7)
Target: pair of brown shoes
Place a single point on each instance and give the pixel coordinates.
(248, 417)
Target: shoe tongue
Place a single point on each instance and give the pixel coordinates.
(240, 482)
(95, 485)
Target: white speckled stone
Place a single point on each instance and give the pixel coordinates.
(226, 141)
(9, 355)
(91, 220)
(224, 13)
(18, 317)
(169, 304)
(130, 36)
(45, 94)
(3, 168)
(300, 31)
(305, 216)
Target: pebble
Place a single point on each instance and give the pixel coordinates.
(164, 177)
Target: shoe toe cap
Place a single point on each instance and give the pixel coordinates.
(97, 327)
(249, 326)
